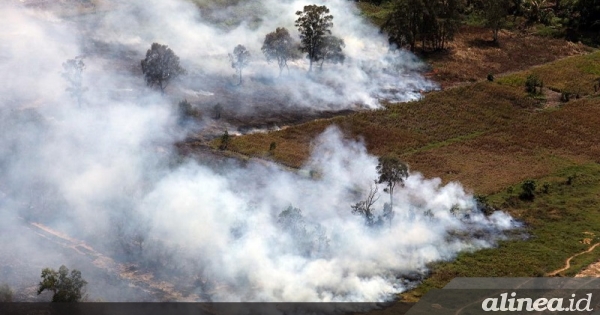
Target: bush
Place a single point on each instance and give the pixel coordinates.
(187, 111)
(483, 205)
(490, 77)
(545, 188)
(532, 83)
(570, 179)
(272, 146)
(528, 190)
(225, 138)
(6, 294)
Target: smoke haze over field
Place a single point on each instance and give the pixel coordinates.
(104, 173)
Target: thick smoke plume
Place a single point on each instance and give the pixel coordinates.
(98, 187)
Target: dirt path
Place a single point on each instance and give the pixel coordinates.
(139, 279)
(568, 261)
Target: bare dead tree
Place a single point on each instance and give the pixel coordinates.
(365, 208)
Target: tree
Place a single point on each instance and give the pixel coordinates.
(330, 50)
(239, 59)
(280, 46)
(365, 208)
(494, 12)
(589, 15)
(313, 23)
(73, 73)
(391, 172)
(404, 23)
(161, 66)
(66, 287)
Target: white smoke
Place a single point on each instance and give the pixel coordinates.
(105, 173)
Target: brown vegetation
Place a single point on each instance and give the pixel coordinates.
(473, 55)
(487, 135)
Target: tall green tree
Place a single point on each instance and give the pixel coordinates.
(66, 287)
(280, 46)
(314, 23)
(403, 25)
(239, 59)
(391, 172)
(161, 66)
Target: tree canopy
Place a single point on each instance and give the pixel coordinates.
(161, 66)
(495, 12)
(314, 24)
(239, 59)
(331, 49)
(391, 172)
(280, 46)
(73, 74)
(432, 22)
(66, 287)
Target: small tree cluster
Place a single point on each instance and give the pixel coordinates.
(431, 22)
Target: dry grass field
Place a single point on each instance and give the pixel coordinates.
(487, 135)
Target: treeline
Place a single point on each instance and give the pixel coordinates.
(314, 24)
(431, 24)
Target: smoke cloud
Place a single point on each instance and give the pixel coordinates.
(99, 187)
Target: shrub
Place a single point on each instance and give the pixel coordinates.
(225, 138)
(528, 190)
(545, 188)
(6, 294)
(187, 111)
(490, 77)
(532, 83)
(483, 205)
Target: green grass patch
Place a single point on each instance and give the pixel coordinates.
(576, 75)
(557, 221)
